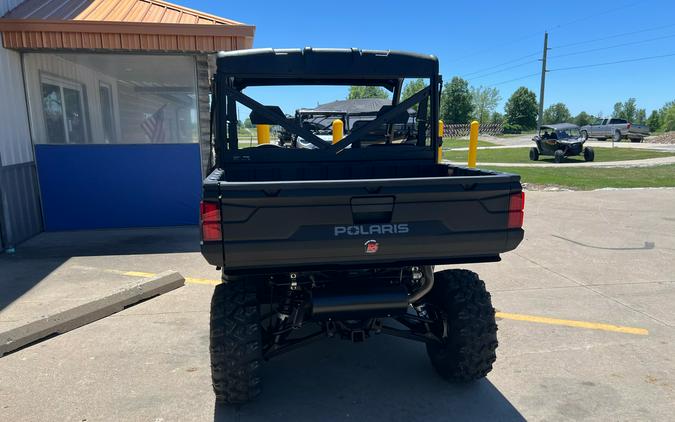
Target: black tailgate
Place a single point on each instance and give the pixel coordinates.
(314, 224)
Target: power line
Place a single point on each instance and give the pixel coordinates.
(609, 37)
(477, 53)
(501, 64)
(503, 70)
(562, 25)
(595, 15)
(614, 62)
(613, 46)
(516, 79)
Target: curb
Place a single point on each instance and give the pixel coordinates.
(70, 319)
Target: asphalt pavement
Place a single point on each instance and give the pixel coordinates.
(586, 330)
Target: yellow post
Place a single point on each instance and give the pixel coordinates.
(263, 134)
(338, 130)
(473, 144)
(441, 130)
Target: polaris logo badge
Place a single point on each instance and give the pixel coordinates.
(372, 246)
(369, 229)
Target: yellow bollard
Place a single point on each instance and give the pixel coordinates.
(473, 144)
(441, 130)
(338, 130)
(263, 134)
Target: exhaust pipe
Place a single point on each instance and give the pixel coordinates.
(380, 304)
(383, 302)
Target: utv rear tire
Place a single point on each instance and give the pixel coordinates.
(589, 154)
(236, 343)
(468, 351)
(558, 156)
(534, 154)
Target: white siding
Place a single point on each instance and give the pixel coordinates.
(15, 144)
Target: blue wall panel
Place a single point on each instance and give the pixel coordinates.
(114, 186)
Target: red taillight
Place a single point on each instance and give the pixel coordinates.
(516, 206)
(210, 216)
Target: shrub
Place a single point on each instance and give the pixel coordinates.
(512, 128)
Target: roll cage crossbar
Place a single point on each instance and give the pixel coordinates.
(386, 117)
(274, 117)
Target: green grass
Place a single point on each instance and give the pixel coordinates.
(587, 178)
(464, 143)
(520, 155)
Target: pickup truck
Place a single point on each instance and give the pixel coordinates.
(341, 240)
(614, 128)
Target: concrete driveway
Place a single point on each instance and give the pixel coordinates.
(586, 330)
(525, 140)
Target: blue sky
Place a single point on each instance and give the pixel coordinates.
(469, 37)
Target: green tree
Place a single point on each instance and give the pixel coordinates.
(247, 123)
(521, 109)
(668, 118)
(411, 88)
(583, 119)
(630, 110)
(456, 104)
(496, 117)
(666, 106)
(641, 116)
(627, 110)
(484, 101)
(654, 121)
(356, 92)
(557, 113)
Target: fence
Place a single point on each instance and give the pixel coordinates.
(459, 130)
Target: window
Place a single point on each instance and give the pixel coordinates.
(107, 116)
(63, 109)
(112, 98)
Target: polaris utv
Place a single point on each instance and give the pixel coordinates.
(340, 240)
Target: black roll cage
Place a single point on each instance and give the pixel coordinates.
(267, 67)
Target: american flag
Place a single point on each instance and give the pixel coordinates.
(154, 126)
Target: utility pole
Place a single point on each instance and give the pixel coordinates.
(540, 117)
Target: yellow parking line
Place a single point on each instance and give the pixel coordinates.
(503, 315)
(573, 323)
(193, 280)
(190, 280)
(138, 274)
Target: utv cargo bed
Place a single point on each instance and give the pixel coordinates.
(311, 216)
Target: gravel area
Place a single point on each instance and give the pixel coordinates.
(663, 138)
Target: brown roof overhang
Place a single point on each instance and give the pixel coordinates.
(97, 35)
(95, 26)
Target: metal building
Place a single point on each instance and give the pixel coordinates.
(104, 112)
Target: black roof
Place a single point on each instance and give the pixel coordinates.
(324, 66)
(355, 106)
(560, 126)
